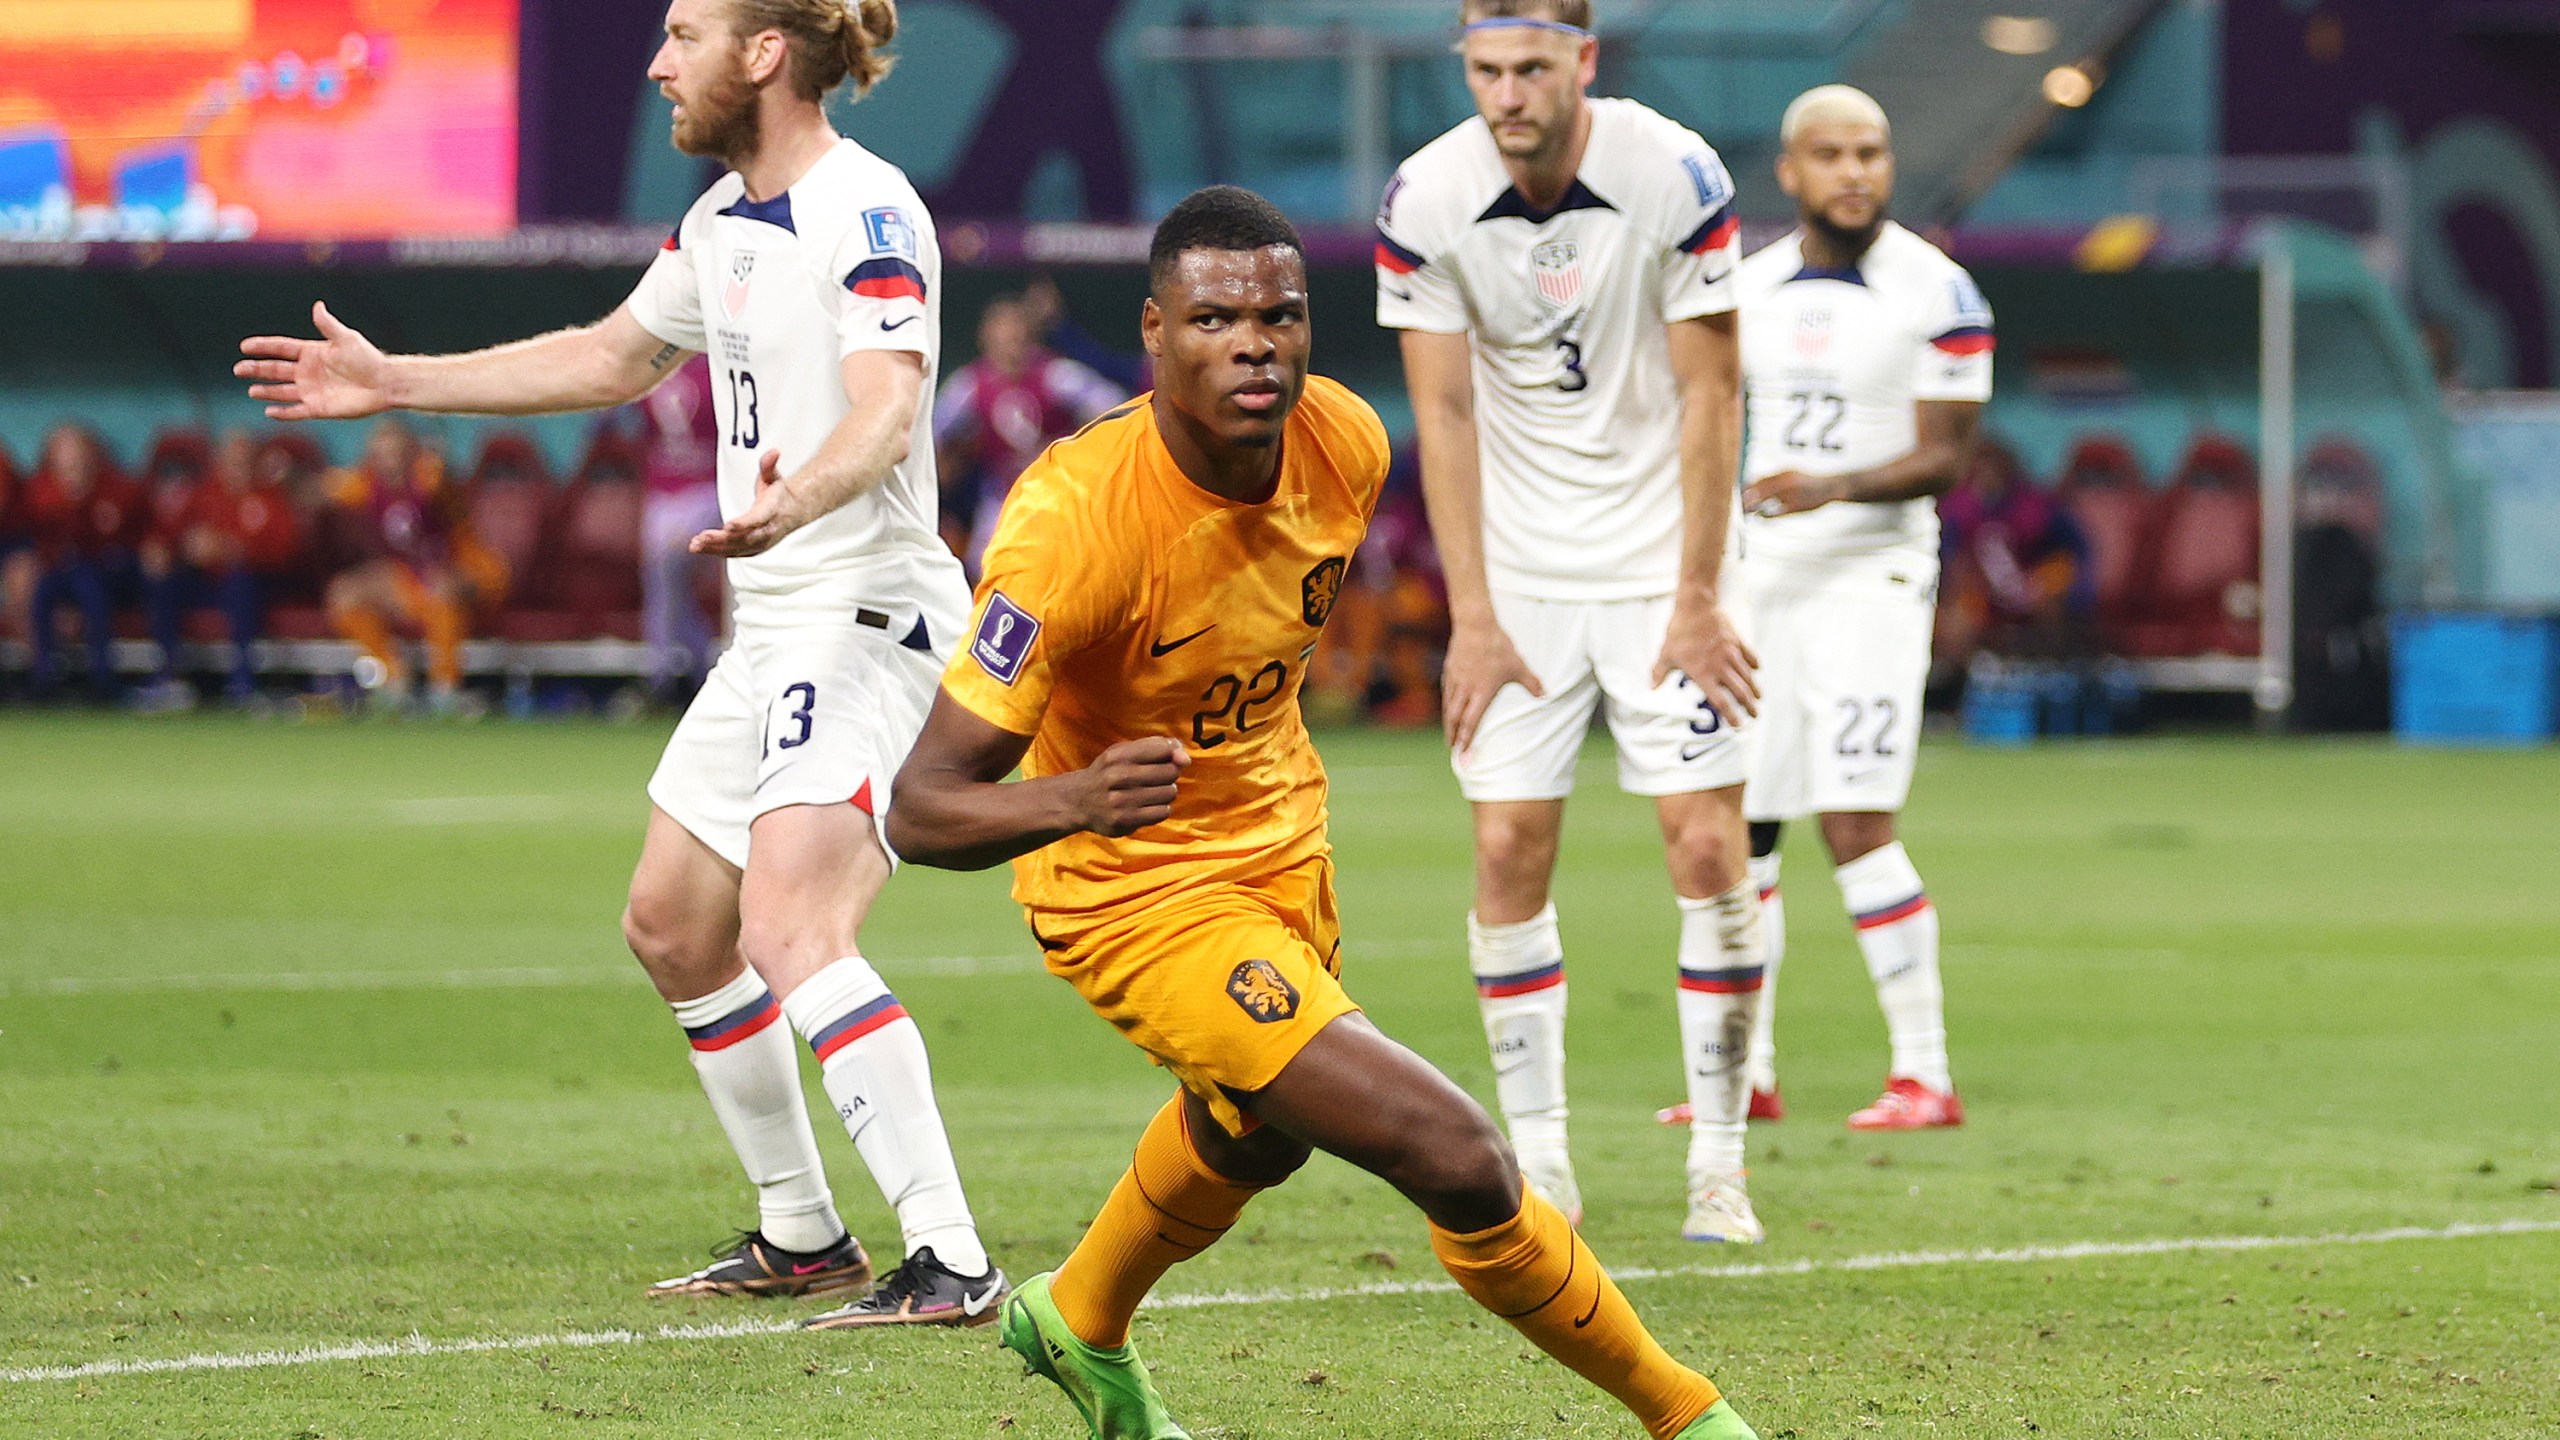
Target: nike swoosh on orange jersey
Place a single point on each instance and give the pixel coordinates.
(1162, 648)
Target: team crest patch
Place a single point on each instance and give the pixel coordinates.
(1004, 639)
(890, 233)
(733, 294)
(1813, 332)
(1320, 589)
(1557, 267)
(1258, 987)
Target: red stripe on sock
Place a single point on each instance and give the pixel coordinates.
(1899, 913)
(758, 1021)
(1722, 987)
(852, 1033)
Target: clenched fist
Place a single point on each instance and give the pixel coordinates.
(1131, 785)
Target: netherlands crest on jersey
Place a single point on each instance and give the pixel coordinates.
(733, 295)
(1557, 267)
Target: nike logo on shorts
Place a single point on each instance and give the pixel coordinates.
(1162, 648)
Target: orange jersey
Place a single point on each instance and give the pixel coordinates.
(1122, 601)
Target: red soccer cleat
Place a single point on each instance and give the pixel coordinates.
(1906, 1104)
(1765, 1105)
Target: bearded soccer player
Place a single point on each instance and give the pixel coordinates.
(1866, 357)
(1561, 269)
(808, 273)
(1151, 600)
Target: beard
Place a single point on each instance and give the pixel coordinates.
(1846, 240)
(720, 122)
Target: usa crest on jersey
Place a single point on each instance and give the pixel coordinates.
(733, 291)
(1557, 267)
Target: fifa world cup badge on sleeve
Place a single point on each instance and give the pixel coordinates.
(890, 232)
(1004, 638)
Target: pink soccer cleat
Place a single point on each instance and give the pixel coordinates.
(1765, 1105)
(1906, 1104)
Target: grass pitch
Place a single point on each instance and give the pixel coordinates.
(323, 1040)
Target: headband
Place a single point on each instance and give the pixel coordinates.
(1523, 22)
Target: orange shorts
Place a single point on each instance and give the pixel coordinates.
(1222, 984)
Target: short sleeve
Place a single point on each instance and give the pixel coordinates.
(1955, 363)
(668, 301)
(1704, 241)
(1414, 292)
(886, 262)
(1039, 603)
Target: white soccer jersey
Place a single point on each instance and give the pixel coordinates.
(1577, 413)
(1833, 362)
(777, 292)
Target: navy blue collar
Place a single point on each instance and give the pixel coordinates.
(1845, 274)
(1511, 203)
(776, 211)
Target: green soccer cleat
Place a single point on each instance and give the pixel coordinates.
(1110, 1388)
(1719, 1423)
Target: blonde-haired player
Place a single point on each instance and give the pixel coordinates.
(1866, 358)
(1561, 268)
(809, 274)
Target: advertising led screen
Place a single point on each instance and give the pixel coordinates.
(275, 119)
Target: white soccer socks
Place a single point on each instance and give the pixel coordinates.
(1520, 990)
(1898, 932)
(753, 1081)
(1763, 1069)
(873, 1059)
(1721, 970)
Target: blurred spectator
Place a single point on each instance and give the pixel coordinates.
(1057, 329)
(233, 537)
(416, 565)
(84, 520)
(1382, 645)
(178, 465)
(2016, 575)
(680, 460)
(996, 414)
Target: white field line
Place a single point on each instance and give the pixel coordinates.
(417, 1345)
(525, 977)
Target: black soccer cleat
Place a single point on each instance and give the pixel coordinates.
(922, 1291)
(752, 1265)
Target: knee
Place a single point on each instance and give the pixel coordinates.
(1707, 845)
(1515, 847)
(1854, 835)
(1266, 1157)
(343, 596)
(666, 942)
(1462, 1173)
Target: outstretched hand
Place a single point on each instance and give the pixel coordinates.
(777, 512)
(340, 376)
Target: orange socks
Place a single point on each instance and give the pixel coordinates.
(1535, 1272)
(372, 634)
(1169, 1207)
(445, 624)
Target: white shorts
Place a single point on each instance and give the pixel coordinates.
(1844, 659)
(1595, 657)
(815, 713)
